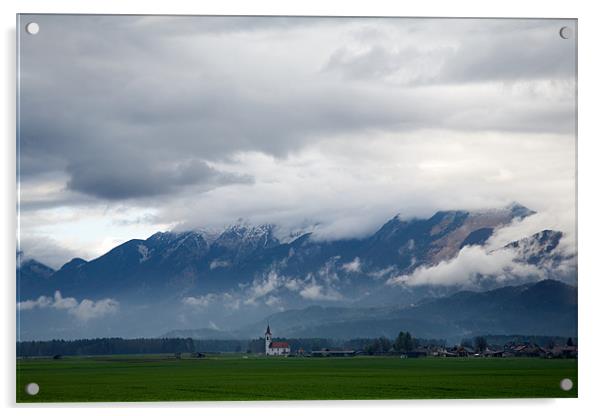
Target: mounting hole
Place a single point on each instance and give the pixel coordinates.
(32, 28)
(566, 32)
(32, 389)
(566, 384)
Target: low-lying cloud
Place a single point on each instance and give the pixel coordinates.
(200, 301)
(497, 263)
(83, 311)
(315, 291)
(466, 269)
(354, 266)
(270, 289)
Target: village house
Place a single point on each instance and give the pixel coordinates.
(496, 353)
(529, 350)
(566, 351)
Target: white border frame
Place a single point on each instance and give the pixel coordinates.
(589, 213)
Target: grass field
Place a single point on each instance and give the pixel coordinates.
(232, 377)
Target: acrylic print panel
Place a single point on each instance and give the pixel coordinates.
(295, 208)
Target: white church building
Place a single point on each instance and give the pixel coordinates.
(275, 347)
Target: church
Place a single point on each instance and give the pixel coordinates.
(275, 347)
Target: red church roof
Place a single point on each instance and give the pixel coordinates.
(276, 344)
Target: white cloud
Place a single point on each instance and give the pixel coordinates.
(65, 303)
(328, 272)
(315, 291)
(348, 186)
(226, 299)
(262, 287)
(560, 219)
(216, 264)
(354, 266)
(293, 285)
(41, 302)
(466, 269)
(269, 288)
(379, 274)
(88, 309)
(85, 310)
(274, 302)
(200, 301)
(144, 253)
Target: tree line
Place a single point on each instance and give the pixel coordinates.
(108, 346)
(404, 342)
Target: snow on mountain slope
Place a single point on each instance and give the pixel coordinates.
(244, 256)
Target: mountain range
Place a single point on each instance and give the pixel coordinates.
(233, 278)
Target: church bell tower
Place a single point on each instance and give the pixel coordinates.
(268, 339)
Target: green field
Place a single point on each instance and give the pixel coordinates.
(233, 377)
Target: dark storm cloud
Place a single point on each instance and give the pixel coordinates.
(133, 107)
(134, 177)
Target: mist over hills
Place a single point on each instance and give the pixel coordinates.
(225, 282)
(547, 307)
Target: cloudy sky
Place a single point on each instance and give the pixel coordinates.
(132, 125)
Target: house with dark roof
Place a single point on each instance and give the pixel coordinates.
(526, 350)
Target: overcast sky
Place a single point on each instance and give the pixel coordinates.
(132, 125)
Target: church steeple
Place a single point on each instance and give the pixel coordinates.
(268, 340)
